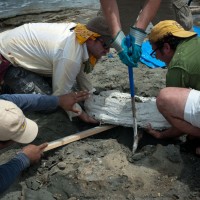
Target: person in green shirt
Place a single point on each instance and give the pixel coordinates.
(179, 101)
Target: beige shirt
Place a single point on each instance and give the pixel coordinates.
(49, 49)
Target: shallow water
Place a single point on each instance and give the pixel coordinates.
(9, 8)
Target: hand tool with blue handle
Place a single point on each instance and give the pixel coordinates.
(132, 91)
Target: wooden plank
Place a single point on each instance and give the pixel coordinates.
(78, 136)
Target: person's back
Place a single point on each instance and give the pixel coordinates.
(35, 46)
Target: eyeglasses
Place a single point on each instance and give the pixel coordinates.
(104, 44)
(153, 53)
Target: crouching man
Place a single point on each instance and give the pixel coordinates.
(179, 101)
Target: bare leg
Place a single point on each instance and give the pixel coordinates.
(171, 104)
(169, 133)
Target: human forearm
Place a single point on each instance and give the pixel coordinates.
(111, 13)
(166, 134)
(10, 170)
(147, 14)
(32, 102)
(137, 31)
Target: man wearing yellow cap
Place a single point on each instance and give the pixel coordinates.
(133, 17)
(179, 101)
(64, 51)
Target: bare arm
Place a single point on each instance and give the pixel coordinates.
(148, 13)
(169, 133)
(111, 13)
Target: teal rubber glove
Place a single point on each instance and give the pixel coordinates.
(119, 43)
(137, 37)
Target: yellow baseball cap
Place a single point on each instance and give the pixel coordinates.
(168, 26)
(14, 125)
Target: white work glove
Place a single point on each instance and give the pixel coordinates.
(119, 43)
(137, 37)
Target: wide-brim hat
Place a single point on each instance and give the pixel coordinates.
(168, 27)
(99, 25)
(14, 125)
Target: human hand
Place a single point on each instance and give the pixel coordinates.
(152, 132)
(126, 59)
(86, 118)
(34, 152)
(137, 37)
(121, 47)
(136, 53)
(67, 101)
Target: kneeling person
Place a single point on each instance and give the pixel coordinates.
(179, 102)
(66, 52)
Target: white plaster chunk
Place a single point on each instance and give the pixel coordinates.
(114, 107)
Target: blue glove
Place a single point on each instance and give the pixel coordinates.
(121, 47)
(137, 37)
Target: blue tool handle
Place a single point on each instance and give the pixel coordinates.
(130, 69)
(131, 80)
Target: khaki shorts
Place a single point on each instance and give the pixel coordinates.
(192, 108)
(177, 10)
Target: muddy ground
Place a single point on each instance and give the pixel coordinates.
(102, 166)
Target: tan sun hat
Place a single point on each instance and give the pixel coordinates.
(99, 25)
(168, 26)
(14, 125)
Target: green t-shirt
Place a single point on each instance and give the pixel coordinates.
(184, 68)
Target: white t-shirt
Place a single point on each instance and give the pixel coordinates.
(49, 49)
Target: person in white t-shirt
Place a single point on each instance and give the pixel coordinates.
(64, 51)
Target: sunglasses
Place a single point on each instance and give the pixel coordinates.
(104, 44)
(153, 53)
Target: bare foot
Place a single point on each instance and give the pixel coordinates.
(86, 118)
(153, 132)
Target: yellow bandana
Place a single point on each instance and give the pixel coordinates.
(82, 35)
